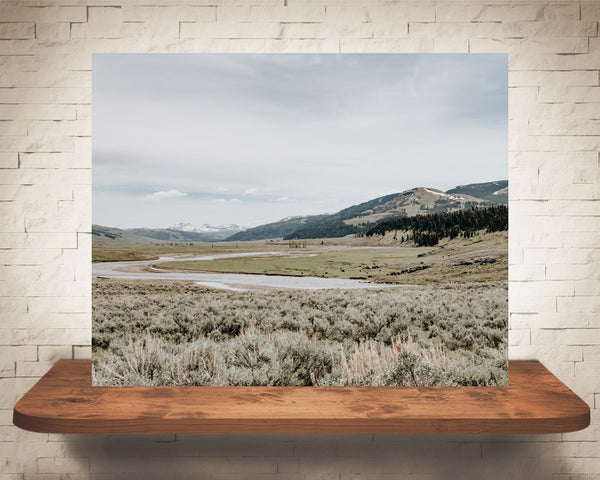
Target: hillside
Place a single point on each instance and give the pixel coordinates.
(358, 219)
(496, 192)
(282, 228)
(106, 236)
(110, 235)
(428, 230)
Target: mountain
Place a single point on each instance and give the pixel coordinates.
(282, 228)
(103, 235)
(356, 219)
(360, 218)
(218, 230)
(170, 235)
(495, 192)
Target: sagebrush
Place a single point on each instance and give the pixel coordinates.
(149, 333)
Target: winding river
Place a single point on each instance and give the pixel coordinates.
(144, 270)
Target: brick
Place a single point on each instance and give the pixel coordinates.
(548, 336)
(298, 14)
(545, 288)
(105, 23)
(37, 336)
(37, 112)
(583, 336)
(230, 30)
(73, 127)
(7, 368)
(587, 287)
(487, 45)
(392, 30)
(11, 389)
(33, 369)
(154, 13)
(9, 160)
(570, 353)
(59, 305)
(401, 12)
(377, 45)
(460, 30)
(71, 95)
(578, 304)
(519, 337)
(55, 32)
(81, 352)
(16, 30)
(568, 272)
(52, 160)
(560, 28)
(324, 31)
(47, 14)
(347, 14)
(450, 45)
(522, 60)
(589, 353)
(518, 304)
(527, 272)
(554, 160)
(54, 352)
(536, 46)
(590, 11)
(447, 12)
(552, 79)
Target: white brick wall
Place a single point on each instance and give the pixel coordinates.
(45, 158)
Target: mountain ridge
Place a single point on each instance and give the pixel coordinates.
(355, 219)
(206, 228)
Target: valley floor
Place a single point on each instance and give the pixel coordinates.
(482, 258)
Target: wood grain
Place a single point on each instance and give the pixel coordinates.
(64, 401)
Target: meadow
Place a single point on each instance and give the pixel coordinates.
(481, 258)
(168, 333)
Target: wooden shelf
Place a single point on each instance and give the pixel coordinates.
(64, 401)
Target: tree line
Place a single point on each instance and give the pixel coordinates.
(427, 230)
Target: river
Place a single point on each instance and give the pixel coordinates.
(144, 270)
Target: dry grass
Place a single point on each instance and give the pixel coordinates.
(458, 260)
(183, 334)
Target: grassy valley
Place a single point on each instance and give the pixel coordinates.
(438, 318)
(481, 258)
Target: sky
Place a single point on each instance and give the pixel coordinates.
(249, 139)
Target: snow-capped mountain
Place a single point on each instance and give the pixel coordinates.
(206, 228)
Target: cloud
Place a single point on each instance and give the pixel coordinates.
(324, 131)
(166, 194)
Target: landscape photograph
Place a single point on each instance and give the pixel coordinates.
(300, 220)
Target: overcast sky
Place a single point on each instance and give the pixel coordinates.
(253, 138)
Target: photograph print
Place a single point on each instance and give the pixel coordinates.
(300, 220)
